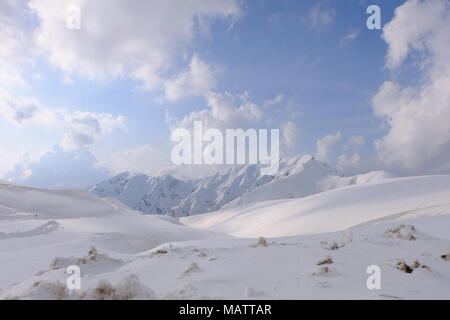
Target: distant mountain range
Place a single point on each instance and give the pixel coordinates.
(165, 195)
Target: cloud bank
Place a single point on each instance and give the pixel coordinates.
(418, 116)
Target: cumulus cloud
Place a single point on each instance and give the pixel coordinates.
(59, 169)
(239, 111)
(350, 159)
(85, 127)
(225, 111)
(354, 143)
(17, 109)
(198, 80)
(24, 110)
(347, 161)
(418, 117)
(324, 145)
(143, 159)
(14, 42)
(137, 39)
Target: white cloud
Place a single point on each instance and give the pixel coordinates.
(198, 80)
(279, 97)
(225, 111)
(86, 127)
(143, 159)
(422, 26)
(290, 133)
(320, 16)
(83, 127)
(8, 161)
(59, 169)
(350, 160)
(136, 39)
(25, 110)
(17, 109)
(14, 42)
(324, 145)
(231, 111)
(352, 35)
(346, 161)
(418, 117)
(354, 143)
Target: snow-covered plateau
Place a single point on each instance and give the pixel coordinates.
(319, 246)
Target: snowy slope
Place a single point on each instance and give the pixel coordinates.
(297, 177)
(37, 225)
(333, 210)
(399, 225)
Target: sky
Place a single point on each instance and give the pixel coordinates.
(78, 105)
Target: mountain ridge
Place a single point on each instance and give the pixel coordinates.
(297, 177)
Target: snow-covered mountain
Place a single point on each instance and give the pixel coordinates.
(297, 177)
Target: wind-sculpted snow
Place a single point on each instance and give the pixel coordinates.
(234, 186)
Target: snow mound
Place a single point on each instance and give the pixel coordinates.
(403, 232)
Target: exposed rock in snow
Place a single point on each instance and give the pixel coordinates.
(402, 266)
(129, 288)
(326, 260)
(403, 232)
(262, 242)
(324, 271)
(93, 257)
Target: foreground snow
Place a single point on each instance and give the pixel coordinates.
(152, 257)
(38, 225)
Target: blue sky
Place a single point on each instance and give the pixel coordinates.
(313, 64)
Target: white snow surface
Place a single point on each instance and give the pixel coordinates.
(316, 247)
(333, 210)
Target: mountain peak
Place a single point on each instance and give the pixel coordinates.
(298, 176)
